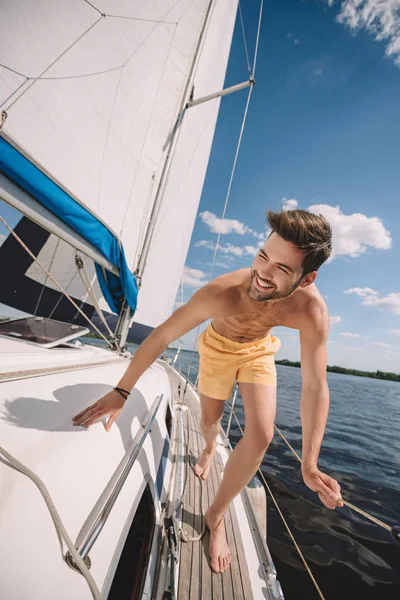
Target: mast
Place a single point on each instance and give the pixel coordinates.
(172, 144)
(122, 328)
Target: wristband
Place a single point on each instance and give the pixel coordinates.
(122, 392)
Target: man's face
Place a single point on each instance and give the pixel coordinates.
(276, 271)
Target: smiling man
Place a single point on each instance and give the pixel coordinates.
(244, 306)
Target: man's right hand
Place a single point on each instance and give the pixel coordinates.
(110, 404)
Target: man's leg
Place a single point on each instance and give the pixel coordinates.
(259, 402)
(211, 414)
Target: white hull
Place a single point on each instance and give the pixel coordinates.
(78, 466)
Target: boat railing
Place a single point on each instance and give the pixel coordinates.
(98, 516)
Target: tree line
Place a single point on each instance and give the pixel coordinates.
(335, 369)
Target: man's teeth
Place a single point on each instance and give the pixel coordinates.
(264, 285)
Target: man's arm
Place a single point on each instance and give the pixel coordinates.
(314, 405)
(205, 304)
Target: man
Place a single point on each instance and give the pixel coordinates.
(244, 305)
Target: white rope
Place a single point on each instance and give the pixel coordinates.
(60, 529)
(355, 508)
(257, 38)
(35, 79)
(45, 279)
(53, 280)
(228, 193)
(244, 39)
(87, 284)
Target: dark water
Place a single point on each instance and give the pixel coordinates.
(349, 556)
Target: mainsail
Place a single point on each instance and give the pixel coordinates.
(91, 94)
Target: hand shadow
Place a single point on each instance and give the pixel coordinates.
(56, 414)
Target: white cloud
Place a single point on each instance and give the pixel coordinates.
(353, 234)
(391, 354)
(217, 225)
(363, 292)
(353, 335)
(225, 226)
(205, 244)
(222, 264)
(251, 250)
(2, 238)
(237, 251)
(391, 302)
(193, 277)
(289, 203)
(335, 320)
(380, 18)
(395, 331)
(355, 349)
(380, 345)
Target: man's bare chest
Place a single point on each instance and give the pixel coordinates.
(246, 325)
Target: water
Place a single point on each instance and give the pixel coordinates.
(349, 556)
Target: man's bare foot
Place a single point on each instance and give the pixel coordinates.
(220, 556)
(202, 467)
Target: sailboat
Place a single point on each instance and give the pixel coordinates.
(108, 116)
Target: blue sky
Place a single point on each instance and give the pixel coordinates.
(323, 129)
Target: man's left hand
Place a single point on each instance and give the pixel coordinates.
(327, 488)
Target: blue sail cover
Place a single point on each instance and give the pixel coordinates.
(30, 178)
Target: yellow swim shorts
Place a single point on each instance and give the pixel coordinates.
(223, 360)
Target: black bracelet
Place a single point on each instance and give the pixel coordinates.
(122, 392)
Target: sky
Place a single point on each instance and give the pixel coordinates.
(323, 134)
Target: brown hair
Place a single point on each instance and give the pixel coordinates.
(308, 231)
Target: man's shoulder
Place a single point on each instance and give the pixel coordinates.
(315, 312)
(226, 287)
(231, 281)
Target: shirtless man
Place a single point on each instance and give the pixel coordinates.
(244, 305)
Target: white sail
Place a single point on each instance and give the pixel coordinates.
(92, 92)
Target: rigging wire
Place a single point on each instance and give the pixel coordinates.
(54, 281)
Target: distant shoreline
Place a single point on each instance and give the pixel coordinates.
(336, 369)
(331, 369)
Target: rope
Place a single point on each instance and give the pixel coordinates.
(53, 63)
(257, 38)
(54, 281)
(244, 39)
(60, 529)
(45, 279)
(80, 264)
(182, 533)
(62, 297)
(355, 508)
(228, 193)
(285, 523)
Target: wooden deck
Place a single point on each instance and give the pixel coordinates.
(196, 579)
